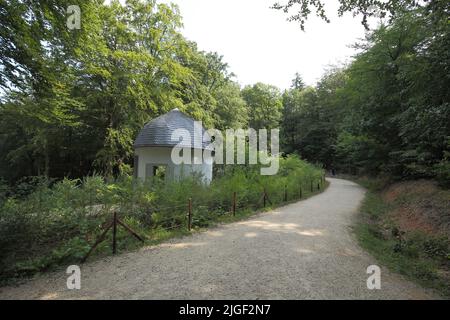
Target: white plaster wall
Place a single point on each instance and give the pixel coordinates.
(162, 156)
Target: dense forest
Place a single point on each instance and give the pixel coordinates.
(72, 101)
(386, 112)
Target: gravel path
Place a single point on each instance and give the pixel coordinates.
(301, 251)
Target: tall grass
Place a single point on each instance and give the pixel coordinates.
(58, 224)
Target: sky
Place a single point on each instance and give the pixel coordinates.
(260, 45)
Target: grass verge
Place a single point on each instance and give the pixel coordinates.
(422, 257)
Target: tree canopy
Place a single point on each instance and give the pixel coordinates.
(388, 111)
(300, 10)
(72, 101)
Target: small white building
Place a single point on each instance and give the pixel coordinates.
(155, 142)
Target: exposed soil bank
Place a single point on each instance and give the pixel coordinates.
(407, 227)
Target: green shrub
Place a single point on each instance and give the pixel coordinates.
(442, 171)
(438, 247)
(45, 225)
(418, 255)
(4, 191)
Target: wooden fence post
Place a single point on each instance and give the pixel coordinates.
(234, 204)
(285, 193)
(131, 231)
(312, 190)
(190, 214)
(301, 191)
(114, 244)
(98, 241)
(112, 224)
(318, 185)
(264, 196)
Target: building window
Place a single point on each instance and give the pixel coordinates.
(159, 172)
(156, 171)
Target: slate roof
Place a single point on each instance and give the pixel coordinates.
(158, 132)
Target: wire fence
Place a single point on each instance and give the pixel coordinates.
(188, 215)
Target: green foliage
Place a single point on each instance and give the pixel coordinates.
(51, 225)
(232, 112)
(374, 208)
(264, 106)
(374, 184)
(418, 255)
(72, 101)
(388, 111)
(365, 8)
(442, 171)
(4, 190)
(358, 152)
(297, 82)
(307, 126)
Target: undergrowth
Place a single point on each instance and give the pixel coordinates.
(56, 224)
(422, 257)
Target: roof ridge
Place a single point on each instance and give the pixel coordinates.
(158, 131)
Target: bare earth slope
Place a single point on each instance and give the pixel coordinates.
(301, 251)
